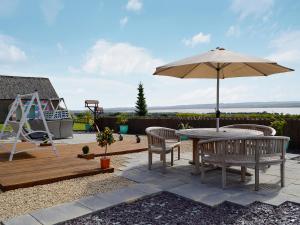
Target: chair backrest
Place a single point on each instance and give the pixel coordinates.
(163, 132)
(268, 131)
(157, 135)
(241, 148)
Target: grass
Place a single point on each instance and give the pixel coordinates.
(79, 127)
(76, 127)
(6, 129)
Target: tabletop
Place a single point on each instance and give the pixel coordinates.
(209, 133)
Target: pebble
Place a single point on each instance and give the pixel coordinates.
(185, 211)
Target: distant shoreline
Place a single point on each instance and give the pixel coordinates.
(243, 105)
(284, 110)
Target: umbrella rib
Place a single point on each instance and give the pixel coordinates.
(252, 67)
(210, 65)
(187, 73)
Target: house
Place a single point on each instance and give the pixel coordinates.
(10, 86)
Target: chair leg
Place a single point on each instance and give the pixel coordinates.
(223, 176)
(172, 157)
(161, 157)
(282, 174)
(243, 173)
(256, 177)
(164, 162)
(178, 152)
(202, 170)
(202, 173)
(149, 160)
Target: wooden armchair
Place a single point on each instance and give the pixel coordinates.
(268, 131)
(162, 141)
(244, 152)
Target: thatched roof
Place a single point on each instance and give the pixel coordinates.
(10, 86)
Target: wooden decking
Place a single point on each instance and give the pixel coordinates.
(31, 172)
(42, 167)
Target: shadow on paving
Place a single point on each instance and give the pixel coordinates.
(168, 208)
(269, 185)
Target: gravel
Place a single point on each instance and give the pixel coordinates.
(24, 200)
(168, 208)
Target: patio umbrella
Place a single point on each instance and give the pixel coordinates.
(220, 64)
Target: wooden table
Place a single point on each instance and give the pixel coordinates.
(210, 133)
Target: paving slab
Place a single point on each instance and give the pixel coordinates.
(166, 183)
(60, 213)
(146, 188)
(122, 195)
(22, 220)
(292, 189)
(194, 191)
(246, 198)
(216, 198)
(141, 176)
(281, 198)
(95, 203)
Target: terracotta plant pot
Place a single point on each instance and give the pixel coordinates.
(104, 163)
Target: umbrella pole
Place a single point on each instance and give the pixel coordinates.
(218, 94)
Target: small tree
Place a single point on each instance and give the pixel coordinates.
(141, 106)
(105, 138)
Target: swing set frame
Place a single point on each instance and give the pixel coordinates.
(34, 98)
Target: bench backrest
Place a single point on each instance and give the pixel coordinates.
(251, 148)
(268, 131)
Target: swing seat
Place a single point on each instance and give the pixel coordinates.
(28, 135)
(36, 135)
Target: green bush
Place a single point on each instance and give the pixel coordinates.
(279, 125)
(122, 118)
(85, 150)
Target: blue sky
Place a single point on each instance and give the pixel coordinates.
(102, 49)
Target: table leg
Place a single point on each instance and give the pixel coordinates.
(196, 157)
(195, 143)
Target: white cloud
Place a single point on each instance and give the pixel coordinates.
(286, 47)
(96, 88)
(134, 5)
(208, 95)
(9, 52)
(197, 39)
(255, 8)
(8, 7)
(107, 58)
(123, 21)
(60, 48)
(233, 31)
(51, 9)
(74, 70)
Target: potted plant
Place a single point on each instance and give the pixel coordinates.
(104, 139)
(85, 153)
(184, 126)
(122, 120)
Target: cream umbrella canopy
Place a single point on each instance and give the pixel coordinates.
(220, 64)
